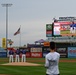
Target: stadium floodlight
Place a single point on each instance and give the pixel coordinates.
(6, 5)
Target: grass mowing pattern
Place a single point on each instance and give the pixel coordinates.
(66, 68)
(22, 70)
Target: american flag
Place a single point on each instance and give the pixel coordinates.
(17, 32)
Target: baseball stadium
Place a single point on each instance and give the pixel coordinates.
(58, 31)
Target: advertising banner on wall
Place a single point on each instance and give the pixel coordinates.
(62, 51)
(28, 54)
(72, 52)
(36, 54)
(34, 49)
(46, 49)
(46, 44)
(3, 54)
(44, 54)
(3, 42)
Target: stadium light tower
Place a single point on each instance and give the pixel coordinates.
(6, 5)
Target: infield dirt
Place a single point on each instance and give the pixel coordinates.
(22, 64)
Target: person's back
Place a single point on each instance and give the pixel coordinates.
(51, 61)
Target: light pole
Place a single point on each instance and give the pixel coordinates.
(6, 5)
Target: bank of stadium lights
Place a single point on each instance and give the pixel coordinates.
(6, 5)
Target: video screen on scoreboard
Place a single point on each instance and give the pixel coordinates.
(64, 29)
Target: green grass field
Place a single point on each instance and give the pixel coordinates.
(66, 68)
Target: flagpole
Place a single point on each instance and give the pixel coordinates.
(20, 36)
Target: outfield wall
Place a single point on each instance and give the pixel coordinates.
(41, 51)
(71, 52)
(66, 50)
(3, 52)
